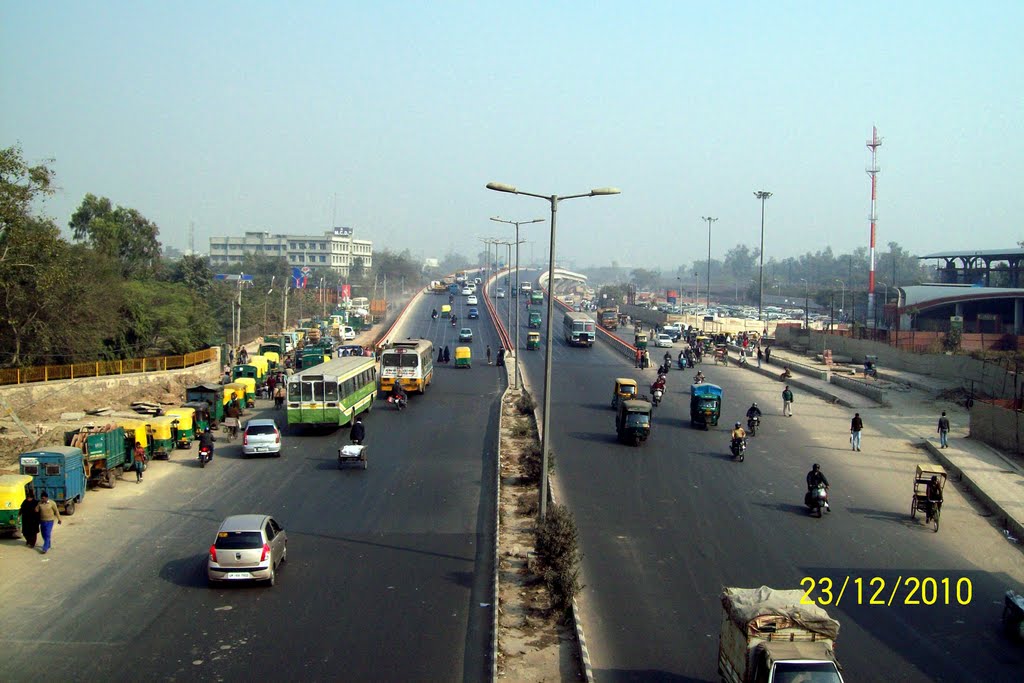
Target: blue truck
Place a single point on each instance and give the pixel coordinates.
(59, 471)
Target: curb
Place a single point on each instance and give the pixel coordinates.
(495, 598)
(796, 382)
(1008, 523)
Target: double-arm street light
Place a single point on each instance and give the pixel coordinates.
(763, 196)
(545, 439)
(710, 221)
(496, 219)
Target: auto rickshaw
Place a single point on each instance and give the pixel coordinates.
(463, 357)
(705, 405)
(931, 507)
(534, 319)
(263, 363)
(624, 390)
(186, 425)
(135, 431)
(210, 394)
(201, 419)
(633, 420)
(532, 341)
(14, 489)
(640, 340)
(235, 390)
(446, 311)
(164, 434)
(273, 360)
(250, 390)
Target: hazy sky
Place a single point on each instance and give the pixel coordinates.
(265, 116)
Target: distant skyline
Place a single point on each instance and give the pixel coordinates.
(265, 116)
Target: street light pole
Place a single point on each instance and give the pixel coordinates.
(763, 196)
(807, 288)
(842, 299)
(710, 221)
(548, 346)
(515, 358)
(266, 303)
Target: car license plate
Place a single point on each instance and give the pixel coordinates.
(261, 449)
(239, 575)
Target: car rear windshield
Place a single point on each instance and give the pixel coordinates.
(239, 540)
(261, 429)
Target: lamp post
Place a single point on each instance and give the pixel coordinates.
(763, 196)
(496, 219)
(266, 303)
(548, 346)
(842, 299)
(710, 221)
(807, 296)
(885, 300)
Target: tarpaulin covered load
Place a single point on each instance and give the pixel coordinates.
(764, 611)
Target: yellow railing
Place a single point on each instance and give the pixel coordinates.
(49, 373)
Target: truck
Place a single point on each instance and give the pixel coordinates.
(105, 451)
(771, 635)
(608, 317)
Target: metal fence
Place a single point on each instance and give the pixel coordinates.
(50, 373)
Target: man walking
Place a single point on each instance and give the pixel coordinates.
(48, 512)
(787, 402)
(856, 426)
(767, 355)
(488, 354)
(943, 431)
(760, 355)
(29, 513)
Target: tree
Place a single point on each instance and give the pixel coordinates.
(20, 186)
(120, 232)
(192, 271)
(645, 279)
(739, 262)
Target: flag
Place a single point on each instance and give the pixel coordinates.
(300, 276)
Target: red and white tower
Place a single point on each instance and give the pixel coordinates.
(873, 144)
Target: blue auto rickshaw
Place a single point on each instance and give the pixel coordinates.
(705, 405)
(60, 472)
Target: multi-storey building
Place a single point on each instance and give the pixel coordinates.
(334, 249)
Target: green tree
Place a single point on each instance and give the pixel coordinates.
(120, 232)
(21, 186)
(739, 262)
(192, 271)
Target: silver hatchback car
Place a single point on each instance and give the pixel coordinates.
(247, 548)
(261, 437)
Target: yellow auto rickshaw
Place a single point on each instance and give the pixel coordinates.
(135, 431)
(625, 389)
(532, 341)
(463, 357)
(186, 425)
(446, 311)
(234, 390)
(13, 490)
(163, 430)
(250, 390)
(263, 363)
(273, 359)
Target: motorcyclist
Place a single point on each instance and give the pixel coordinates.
(739, 435)
(453, 321)
(206, 441)
(753, 411)
(668, 358)
(398, 393)
(698, 378)
(817, 478)
(658, 384)
(433, 314)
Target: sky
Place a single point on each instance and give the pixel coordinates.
(391, 117)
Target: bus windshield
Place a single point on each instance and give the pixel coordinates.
(400, 360)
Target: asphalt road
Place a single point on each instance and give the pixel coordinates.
(665, 526)
(388, 575)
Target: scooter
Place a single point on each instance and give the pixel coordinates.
(205, 455)
(816, 499)
(738, 447)
(656, 396)
(752, 424)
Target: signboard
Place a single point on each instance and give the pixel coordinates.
(300, 277)
(672, 296)
(346, 291)
(343, 232)
(230, 277)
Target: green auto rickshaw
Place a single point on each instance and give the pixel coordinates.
(532, 341)
(13, 491)
(163, 431)
(640, 340)
(534, 319)
(705, 405)
(210, 394)
(201, 416)
(186, 425)
(633, 421)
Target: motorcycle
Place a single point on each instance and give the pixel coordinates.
(816, 499)
(656, 396)
(453, 321)
(433, 315)
(738, 447)
(698, 378)
(752, 424)
(205, 455)
(399, 402)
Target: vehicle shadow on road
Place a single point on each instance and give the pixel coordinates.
(187, 572)
(650, 675)
(602, 407)
(791, 508)
(599, 437)
(901, 518)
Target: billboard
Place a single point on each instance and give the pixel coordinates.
(672, 296)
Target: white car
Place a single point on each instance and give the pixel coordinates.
(471, 300)
(466, 291)
(347, 333)
(663, 340)
(501, 293)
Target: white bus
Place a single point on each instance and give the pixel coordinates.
(410, 362)
(579, 329)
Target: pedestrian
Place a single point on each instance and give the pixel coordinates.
(29, 513)
(501, 357)
(767, 355)
(440, 355)
(856, 426)
(138, 461)
(488, 354)
(639, 357)
(760, 355)
(231, 356)
(358, 432)
(48, 513)
(647, 359)
(787, 402)
(943, 430)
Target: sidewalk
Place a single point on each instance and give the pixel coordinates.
(914, 404)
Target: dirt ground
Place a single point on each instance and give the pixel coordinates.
(42, 418)
(533, 643)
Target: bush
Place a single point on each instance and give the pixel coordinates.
(525, 404)
(557, 547)
(531, 464)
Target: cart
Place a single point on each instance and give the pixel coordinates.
(931, 506)
(721, 355)
(352, 454)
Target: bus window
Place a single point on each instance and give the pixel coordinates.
(410, 360)
(392, 360)
(330, 391)
(294, 391)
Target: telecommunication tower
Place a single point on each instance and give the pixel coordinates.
(873, 144)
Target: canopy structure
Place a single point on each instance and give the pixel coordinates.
(976, 267)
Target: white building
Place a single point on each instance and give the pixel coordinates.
(335, 249)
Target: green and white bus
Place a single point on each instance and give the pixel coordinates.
(332, 393)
